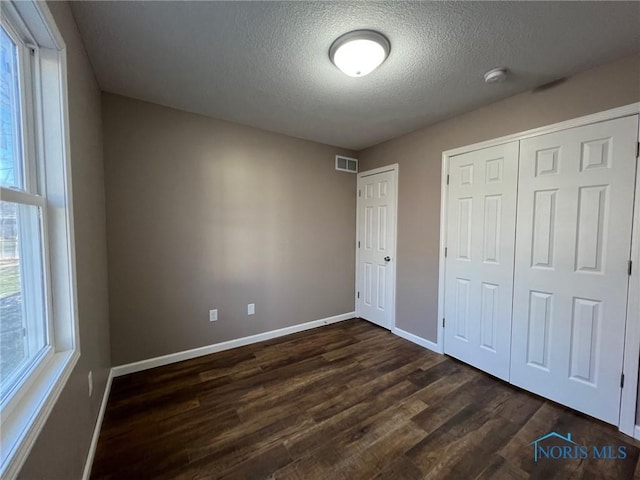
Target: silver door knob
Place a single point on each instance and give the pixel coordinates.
(387, 259)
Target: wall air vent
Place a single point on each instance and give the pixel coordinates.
(346, 164)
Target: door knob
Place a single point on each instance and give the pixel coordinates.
(387, 259)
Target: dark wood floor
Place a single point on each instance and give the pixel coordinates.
(346, 401)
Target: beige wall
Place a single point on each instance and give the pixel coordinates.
(203, 214)
(420, 155)
(61, 448)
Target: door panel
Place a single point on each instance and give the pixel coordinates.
(575, 200)
(480, 251)
(376, 234)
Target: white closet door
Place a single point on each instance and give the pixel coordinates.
(480, 251)
(575, 199)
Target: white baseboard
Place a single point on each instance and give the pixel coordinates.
(636, 432)
(423, 342)
(96, 431)
(219, 347)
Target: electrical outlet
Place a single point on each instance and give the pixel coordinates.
(213, 315)
(90, 380)
(251, 309)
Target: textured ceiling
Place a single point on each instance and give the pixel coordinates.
(266, 64)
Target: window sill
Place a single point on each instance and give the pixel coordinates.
(19, 430)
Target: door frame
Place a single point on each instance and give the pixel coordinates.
(631, 362)
(389, 168)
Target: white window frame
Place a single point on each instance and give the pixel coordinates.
(24, 413)
(33, 194)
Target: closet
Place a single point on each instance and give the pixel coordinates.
(538, 244)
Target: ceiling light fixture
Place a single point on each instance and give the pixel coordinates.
(360, 52)
(495, 75)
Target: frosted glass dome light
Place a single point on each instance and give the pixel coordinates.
(360, 52)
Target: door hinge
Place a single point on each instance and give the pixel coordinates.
(630, 267)
(359, 193)
(637, 149)
(447, 179)
(622, 380)
(445, 252)
(358, 243)
(358, 294)
(443, 321)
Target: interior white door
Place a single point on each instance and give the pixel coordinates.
(575, 202)
(377, 199)
(480, 252)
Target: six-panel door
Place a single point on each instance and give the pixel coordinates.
(376, 234)
(480, 251)
(575, 201)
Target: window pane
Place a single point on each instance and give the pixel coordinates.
(22, 312)
(11, 171)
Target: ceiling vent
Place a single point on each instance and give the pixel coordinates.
(346, 164)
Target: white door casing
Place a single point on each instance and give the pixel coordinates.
(575, 205)
(376, 237)
(480, 253)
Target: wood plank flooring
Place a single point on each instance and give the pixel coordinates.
(346, 401)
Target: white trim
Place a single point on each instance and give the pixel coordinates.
(423, 342)
(25, 198)
(619, 112)
(96, 431)
(375, 171)
(41, 23)
(41, 399)
(388, 168)
(442, 270)
(632, 337)
(219, 347)
(629, 394)
(636, 432)
(356, 301)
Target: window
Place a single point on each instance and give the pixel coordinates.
(24, 332)
(38, 331)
